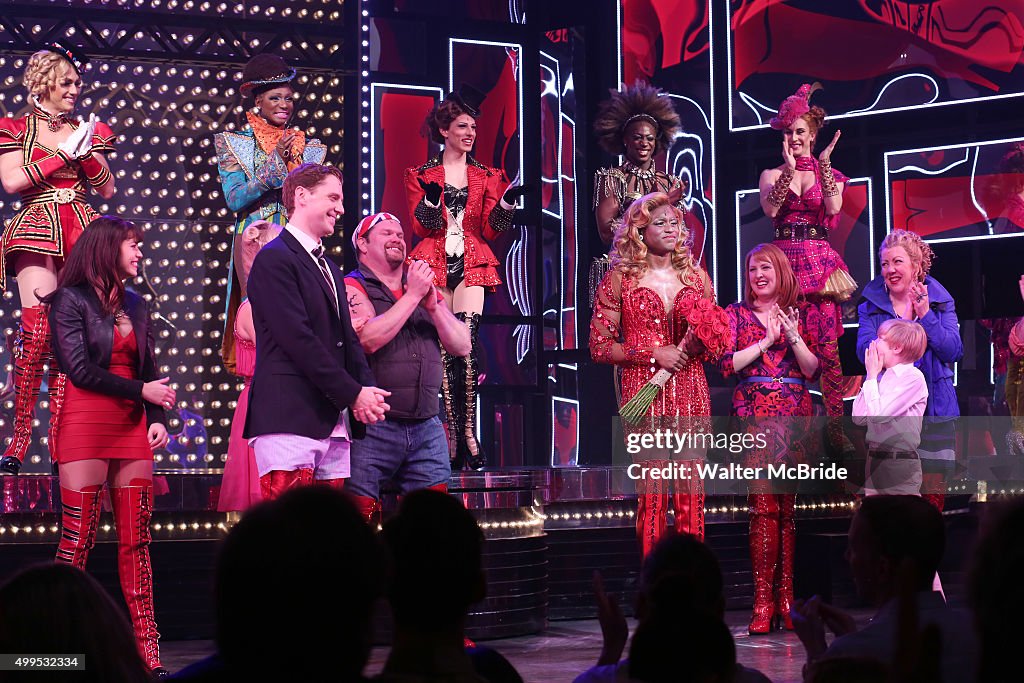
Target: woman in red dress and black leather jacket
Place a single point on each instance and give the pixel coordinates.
(457, 204)
(113, 413)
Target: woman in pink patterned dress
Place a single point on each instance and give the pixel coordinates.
(773, 351)
(803, 197)
(638, 324)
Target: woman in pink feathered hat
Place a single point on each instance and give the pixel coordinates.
(804, 196)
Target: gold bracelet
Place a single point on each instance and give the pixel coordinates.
(828, 180)
(780, 189)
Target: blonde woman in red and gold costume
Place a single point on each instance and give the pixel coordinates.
(51, 160)
(639, 324)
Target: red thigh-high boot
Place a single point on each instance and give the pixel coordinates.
(784, 567)
(369, 508)
(133, 508)
(652, 510)
(933, 489)
(29, 357)
(80, 517)
(58, 382)
(276, 482)
(764, 549)
(336, 484)
(689, 503)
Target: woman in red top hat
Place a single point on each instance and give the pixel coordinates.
(51, 160)
(457, 204)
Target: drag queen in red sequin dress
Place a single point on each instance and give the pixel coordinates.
(803, 197)
(638, 323)
(51, 160)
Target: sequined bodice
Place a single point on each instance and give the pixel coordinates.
(646, 323)
(456, 198)
(808, 208)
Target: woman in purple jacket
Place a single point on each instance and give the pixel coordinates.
(904, 290)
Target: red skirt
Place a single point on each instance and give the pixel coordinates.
(100, 426)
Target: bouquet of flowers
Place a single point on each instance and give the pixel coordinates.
(708, 330)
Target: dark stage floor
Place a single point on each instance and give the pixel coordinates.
(566, 648)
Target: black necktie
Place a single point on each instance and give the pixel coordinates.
(318, 253)
(322, 262)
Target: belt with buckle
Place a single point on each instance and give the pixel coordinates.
(773, 380)
(62, 195)
(799, 232)
(892, 455)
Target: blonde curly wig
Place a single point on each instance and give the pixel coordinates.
(43, 70)
(630, 253)
(637, 102)
(919, 252)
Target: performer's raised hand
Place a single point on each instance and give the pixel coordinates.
(787, 155)
(431, 191)
(789, 322)
(826, 154)
(73, 145)
(514, 192)
(919, 299)
(675, 193)
(284, 145)
(773, 329)
(873, 360)
(419, 279)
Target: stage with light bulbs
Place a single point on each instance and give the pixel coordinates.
(552, 504)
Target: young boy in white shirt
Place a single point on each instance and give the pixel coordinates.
(891, 403)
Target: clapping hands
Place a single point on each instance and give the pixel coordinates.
(789, 323)
(514, 192)
(284, 145)
(79, 143)
(431, 191)
(873, 360)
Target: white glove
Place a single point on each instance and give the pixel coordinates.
(79, 142)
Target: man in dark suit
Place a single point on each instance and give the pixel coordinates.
(311, 374)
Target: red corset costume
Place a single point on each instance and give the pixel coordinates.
(629, 322)
(53, 211)
(801, 230)
(53, 214)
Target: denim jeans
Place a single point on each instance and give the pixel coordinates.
(413, 454)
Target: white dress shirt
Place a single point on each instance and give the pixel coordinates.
(309, 244)
(341, 430)
(892, 407)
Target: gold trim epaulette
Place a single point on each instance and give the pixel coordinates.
(432, 162)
